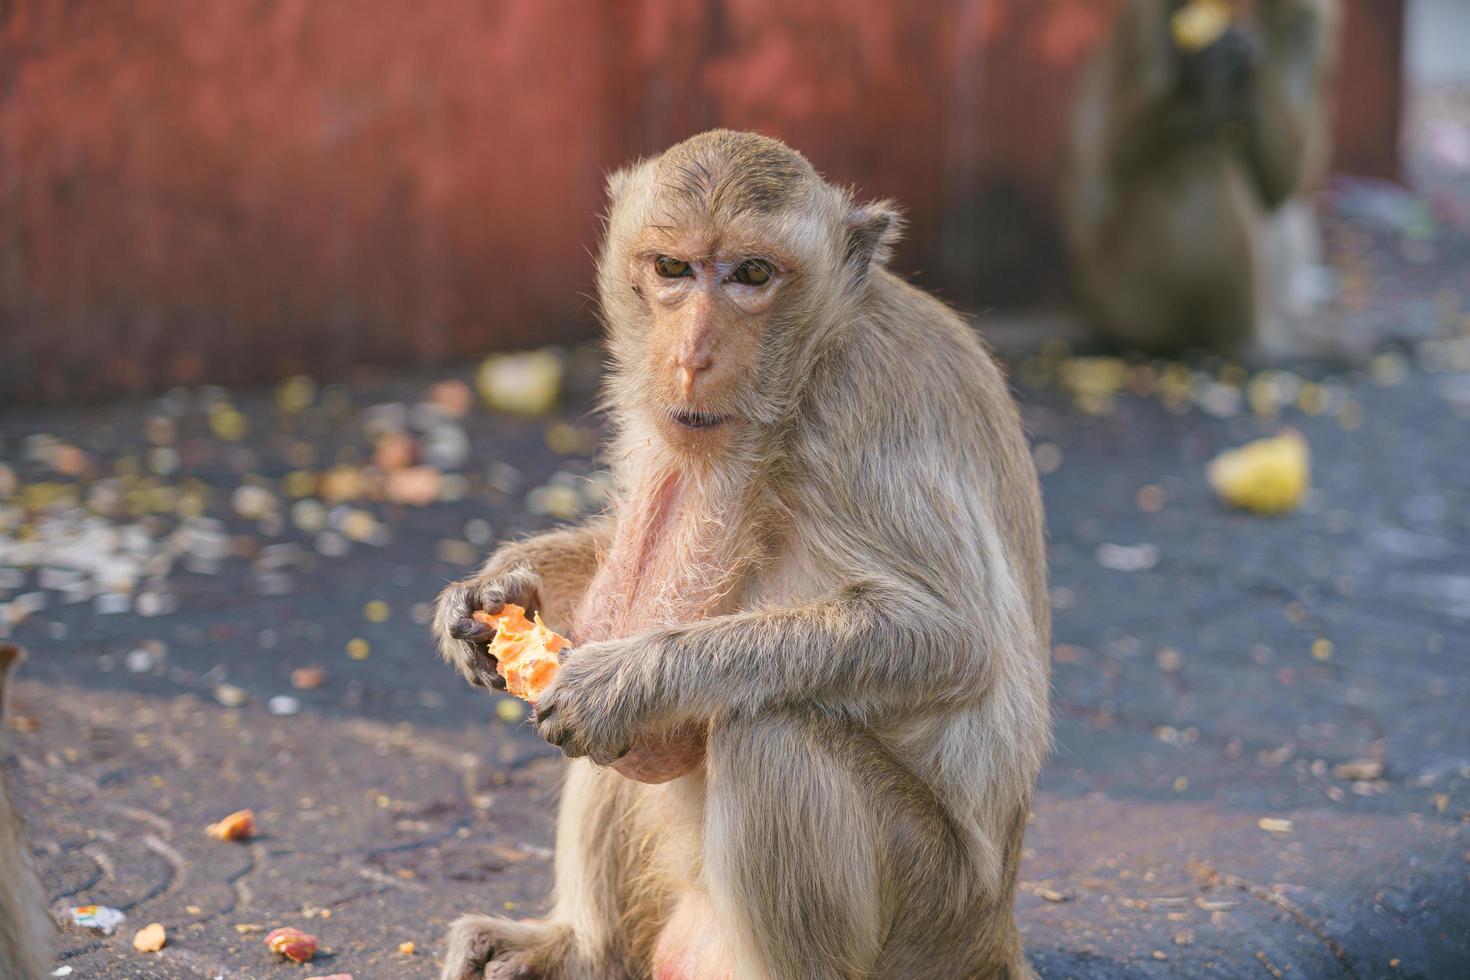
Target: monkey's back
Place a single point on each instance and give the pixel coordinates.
(918, 413)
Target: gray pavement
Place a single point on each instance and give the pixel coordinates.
(1213, 670)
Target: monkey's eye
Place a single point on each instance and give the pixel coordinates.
(752, 272)
(671, 268)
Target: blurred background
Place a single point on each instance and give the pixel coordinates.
(239, 191)
(296, 325)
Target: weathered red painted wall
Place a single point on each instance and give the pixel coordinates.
(1370, 89)
(235, 189)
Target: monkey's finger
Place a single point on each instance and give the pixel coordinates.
(453, 605)
(557, 733)
(491, 602)
(492, 596)
(471, 631)
(517, 586)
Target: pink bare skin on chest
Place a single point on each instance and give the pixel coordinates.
(645, 583)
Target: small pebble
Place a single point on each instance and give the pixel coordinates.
(283, 704)
(478, 532)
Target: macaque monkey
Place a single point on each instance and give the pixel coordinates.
(807, 694)
(27, 934)
(1194, 156)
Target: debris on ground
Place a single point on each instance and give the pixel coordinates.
(526, 383)
(239, 825)
(292, 943)
(100, 917)
(1268, 476)
(150, 939)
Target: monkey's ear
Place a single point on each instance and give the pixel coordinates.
(872, 231)
(617, 181)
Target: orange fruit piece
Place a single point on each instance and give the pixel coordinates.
(239, 825)
(525, 652)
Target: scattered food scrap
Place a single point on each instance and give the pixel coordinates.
(525, 384)
(292, 943)
(1358, 770)
(1268, 476)
(239, 825)
(151, 938)
(308, 678)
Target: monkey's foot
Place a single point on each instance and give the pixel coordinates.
(492, 948)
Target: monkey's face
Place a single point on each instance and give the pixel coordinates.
(710, 300)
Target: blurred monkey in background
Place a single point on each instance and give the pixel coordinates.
(27, 935)
(1200, 133)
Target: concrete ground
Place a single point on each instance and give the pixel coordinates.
(1263, 749)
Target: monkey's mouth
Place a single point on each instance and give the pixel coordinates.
(697, 420)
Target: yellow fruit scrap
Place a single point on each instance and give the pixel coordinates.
(1200, 23)
(150, 939)
(526, 383)
(1268, 476)
(525, 651)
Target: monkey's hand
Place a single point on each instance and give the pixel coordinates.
(463, 642)
(598, 702)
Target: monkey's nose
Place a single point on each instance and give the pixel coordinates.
(690, 364)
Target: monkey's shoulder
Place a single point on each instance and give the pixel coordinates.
(909, 393)
(921, 357)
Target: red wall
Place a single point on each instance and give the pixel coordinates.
(231, 190)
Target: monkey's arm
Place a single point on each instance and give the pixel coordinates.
(873, 640)
(873, 644)
(562, 561)
(1287, 124)
(1130, 114)
(548, 572)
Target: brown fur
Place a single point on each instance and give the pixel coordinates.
(1189, 215)
(844, 583)
(27, 934)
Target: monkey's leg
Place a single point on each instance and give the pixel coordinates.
(825, 858)
(581, 939)
(1293, 317)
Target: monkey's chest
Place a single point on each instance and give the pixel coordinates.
(673, 560)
